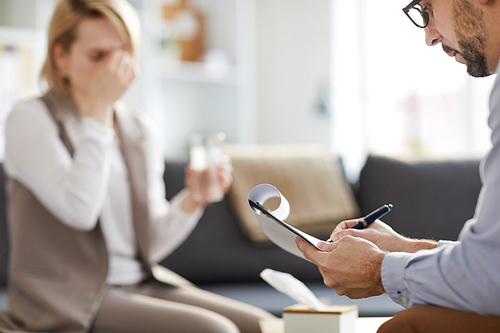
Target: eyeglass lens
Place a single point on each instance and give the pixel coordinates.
(418, 17)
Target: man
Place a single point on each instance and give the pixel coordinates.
(448, 286)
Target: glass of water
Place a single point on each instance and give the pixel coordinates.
(205, 156)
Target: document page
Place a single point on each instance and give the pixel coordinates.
(272, 222)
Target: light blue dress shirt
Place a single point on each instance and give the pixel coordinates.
(462, 275)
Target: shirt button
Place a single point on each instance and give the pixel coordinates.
(404, 300)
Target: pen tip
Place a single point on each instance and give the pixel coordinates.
(390, 206)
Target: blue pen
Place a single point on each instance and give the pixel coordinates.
(372, 217)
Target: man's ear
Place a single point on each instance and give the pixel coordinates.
(60, 57)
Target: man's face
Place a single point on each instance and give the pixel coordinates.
(460, 28)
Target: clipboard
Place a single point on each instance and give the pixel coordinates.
(261, 210)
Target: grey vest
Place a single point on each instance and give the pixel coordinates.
(57, 275)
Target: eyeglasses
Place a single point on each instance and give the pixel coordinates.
(417, 15)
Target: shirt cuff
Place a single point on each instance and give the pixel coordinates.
(393, 275)
(446, 243)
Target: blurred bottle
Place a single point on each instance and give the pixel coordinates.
(184, 29)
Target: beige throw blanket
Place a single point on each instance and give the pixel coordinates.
(309, 176)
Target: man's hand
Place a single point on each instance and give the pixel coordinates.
(350, 265)
(381, 235)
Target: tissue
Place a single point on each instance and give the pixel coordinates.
(292, 287)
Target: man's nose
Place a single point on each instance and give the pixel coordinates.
(432, 36)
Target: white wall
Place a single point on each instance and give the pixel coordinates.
(285, 45)
(34, 14)
(292, 60)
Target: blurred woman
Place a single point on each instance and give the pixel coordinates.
(88, 217)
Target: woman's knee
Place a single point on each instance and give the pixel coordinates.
(211, 322)
(126, 312)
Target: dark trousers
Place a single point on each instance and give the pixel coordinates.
(432, 319)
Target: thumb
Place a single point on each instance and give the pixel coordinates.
(326, 246)
(309, 251)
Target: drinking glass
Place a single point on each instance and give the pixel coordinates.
(205, 156)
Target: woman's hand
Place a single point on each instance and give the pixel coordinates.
(111, 78)
(381, 235)
(224, 176)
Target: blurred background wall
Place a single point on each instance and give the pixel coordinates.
(351, 75)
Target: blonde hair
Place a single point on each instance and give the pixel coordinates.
(64, 23)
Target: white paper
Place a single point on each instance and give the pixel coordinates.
(276, 232)
(292, 287)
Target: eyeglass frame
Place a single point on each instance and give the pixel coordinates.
(422, 12)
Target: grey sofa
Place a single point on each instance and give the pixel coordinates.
(431, 200)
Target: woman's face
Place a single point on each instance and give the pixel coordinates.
(95, 39)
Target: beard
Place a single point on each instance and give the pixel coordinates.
(475, 61)
(471, 34)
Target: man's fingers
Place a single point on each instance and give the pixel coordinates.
(327, 246)
(345, 225)
(347, 232)
(301, 244)
(309, 251)
(304, 248)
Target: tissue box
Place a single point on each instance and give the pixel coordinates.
(334, 319)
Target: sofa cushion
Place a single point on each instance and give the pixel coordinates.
(432, 199)
(300, 173)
